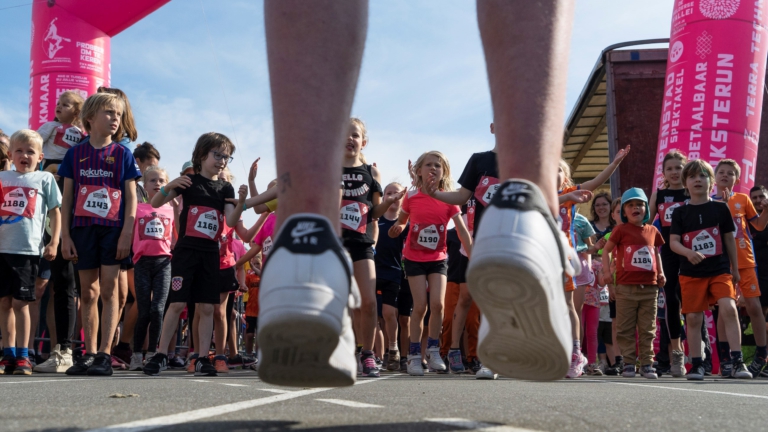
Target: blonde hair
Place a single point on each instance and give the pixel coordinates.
(732, 163)
(399, 186)
(228, 173)
(673, 154)
(698, 166)
(27, 136)
(567, 181)
(445, 182)
(155, 168)
(363, 130)
(127, 124)
(96, 102)
(77, 102)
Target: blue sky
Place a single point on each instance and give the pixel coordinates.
(423, 83)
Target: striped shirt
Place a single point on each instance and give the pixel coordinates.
(108, 167)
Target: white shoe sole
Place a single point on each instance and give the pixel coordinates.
(528, 327)
(57, 369)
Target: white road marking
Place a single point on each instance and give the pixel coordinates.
(683, 389)
(234, 385)
(476, 425)
(40, 381)
(275, 390)
(350, 404)
(186, 417)
(199, 380)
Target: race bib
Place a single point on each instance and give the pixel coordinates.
(604, 296)
(431, 237)
(204, 222)
(98, 201)
(665, 211)
(639, 258)
(662, 302)
(354, 216)
(707, 241)
(267, 246)
(471, 215)
(739, 233)
(19, 201)
(67, 136)
(486, 189)
(154, 227)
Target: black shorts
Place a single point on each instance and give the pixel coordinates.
(194, 276)
(604, 335)
(129, 264)
(44, 269)
(612, 309)
(405, 299)
(96, 246)
(251, 325)
(379, 305)
(389, 291)
(228, 280)
(359, 251)
(416, 268)
(18, 274)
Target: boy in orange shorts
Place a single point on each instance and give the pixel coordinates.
(702, 233)
(743, 211)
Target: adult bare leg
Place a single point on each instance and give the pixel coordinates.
(528, 41)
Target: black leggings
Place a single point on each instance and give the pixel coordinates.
(152, 279)
(670, 262)
(65, 281)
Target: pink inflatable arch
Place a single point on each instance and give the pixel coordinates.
(713, 94)
(70, 48)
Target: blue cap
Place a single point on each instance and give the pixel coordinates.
(635, 194)
(187, 165)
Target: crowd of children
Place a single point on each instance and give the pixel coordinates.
(128, 253)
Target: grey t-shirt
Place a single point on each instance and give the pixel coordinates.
(27, 198)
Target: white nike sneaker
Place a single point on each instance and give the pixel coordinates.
(434, 360)
(516, 277)
(414, 365)
(486, 374)
(305, 331)
(137, 362)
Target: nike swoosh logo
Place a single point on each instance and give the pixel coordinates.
(300, 232)
(83, 160)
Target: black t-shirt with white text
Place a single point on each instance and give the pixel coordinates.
(481, 176)
(702, 228)
(202, 215)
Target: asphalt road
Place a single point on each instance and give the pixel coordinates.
(241, 402)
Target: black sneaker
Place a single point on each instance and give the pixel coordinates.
(708, 367)
(757, 366)
(370, 368)
(7, 365)
(82, 364)
(235, 362)
(663, 369)
(475, 365)
(403, 365)
(696, 373)
(101, 366)
(726, 369)
(175, 363)
(203, 367)
(156, 364)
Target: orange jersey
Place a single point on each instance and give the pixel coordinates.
(743, 212)
(566, 212)
(252, 308)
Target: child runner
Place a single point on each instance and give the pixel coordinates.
(664, 201)
(27, 197)
(63, 132)
(587, 294)
(98, 211)
(479, 182)
(152, 258)
(252, 280)
(361, 203)
(389, 272)
(424, 253)
(638, 276)
(744, 213)
(195, 262)
(618, 366)
(597, 294)
(570, 195)
(702, 233)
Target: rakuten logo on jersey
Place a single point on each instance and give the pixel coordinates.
(96, 173)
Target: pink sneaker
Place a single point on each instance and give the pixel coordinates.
(577, 365)
(118, 363)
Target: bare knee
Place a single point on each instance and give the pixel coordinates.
(204, 309)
